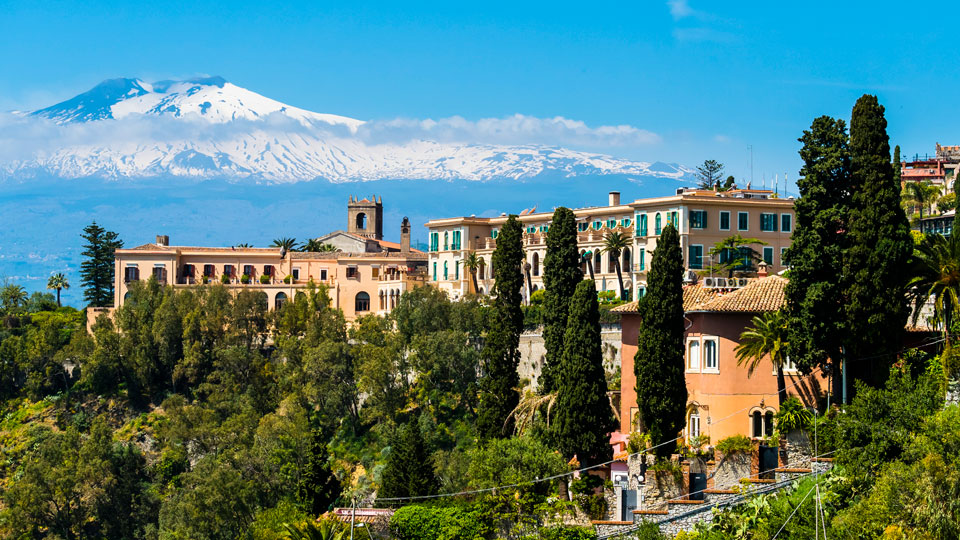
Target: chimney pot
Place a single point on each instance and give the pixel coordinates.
(614, 198)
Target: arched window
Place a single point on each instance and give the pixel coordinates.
(446, 242)
(612, 261)
(279, 300)
(535, 262)
(756, 424)
(481, 290)
(768, 423)
(583, 262)
(656, 224)
(710, 354)
(383, 304)
(362, 302)
(362, 221)
(597, 262)
(625, 260)
(761, 423)
(446, 272)
(693, 356)
(536, 288)
(481, 270)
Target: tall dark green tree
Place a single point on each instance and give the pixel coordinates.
(583, 419)
(96, 271)
(709, 174)
(561, 273)
(814, 296)
(876, 267)
(409, 469)
(501, 355)
(658, 364)
(897, 170)
(319, 487)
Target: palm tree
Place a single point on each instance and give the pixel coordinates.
(588, 255)
(768, 337)
(325, 529)
(57, 282)
(244, 245)
(471, 263)
(936, 275)
(921, 194)
(12, 297)
(526, 272)
(614, 243)
(287, 244)
(314, 245)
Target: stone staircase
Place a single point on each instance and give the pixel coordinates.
(683, 513)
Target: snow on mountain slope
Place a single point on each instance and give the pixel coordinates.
(210, 128)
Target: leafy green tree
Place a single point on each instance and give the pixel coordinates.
(97, 269)
(816, 321)
(658, 363)
(613, 244)
(920, 195)
(947, 202)
(583, 419)
(561, 273)
(767, 338)
(409, 470)
(709, 173)
(734, 254)
(58, 282)
(515, 460)
(498, 389)
(876, 263)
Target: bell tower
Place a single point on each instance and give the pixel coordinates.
(365, 217)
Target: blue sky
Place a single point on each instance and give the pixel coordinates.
(708, 78)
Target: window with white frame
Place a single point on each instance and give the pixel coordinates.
(693, 425)
(693, 356)
(323, 274)
(710, 355)
(724, 220)
(296, 273)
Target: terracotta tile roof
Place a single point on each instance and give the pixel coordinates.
(762, 294)
(257, 251)
(621, 456)
(693, 296)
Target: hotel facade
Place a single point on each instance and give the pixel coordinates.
(366, 275)
(703, 217)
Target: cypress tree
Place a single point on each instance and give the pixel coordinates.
(561, 274)
(814, 295)
(583, 420)
(658, 364)
(897, 170)
(319, 487)
(97, 270)
(876, 268)
(501, 354)
(409, 469)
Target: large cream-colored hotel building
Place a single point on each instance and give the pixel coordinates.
(368, 274)
(703, 217)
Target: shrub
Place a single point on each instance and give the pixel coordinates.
(245, 279)
(264, 279)
(735, 444)
(417, 522)
(224, 279)
(288, 279)
(567, 533)
(792, 415)
(637, 442)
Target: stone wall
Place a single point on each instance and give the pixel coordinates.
(532, 352)
(797, 450)
(731, 469)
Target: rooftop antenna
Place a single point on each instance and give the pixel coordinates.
(776, 185)
(785, 184)
(764, 180)
(751, 163)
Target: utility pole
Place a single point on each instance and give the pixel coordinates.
(353, 516)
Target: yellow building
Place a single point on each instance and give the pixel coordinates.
(367, 274)
(703, 217)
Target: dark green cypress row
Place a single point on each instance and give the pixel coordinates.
(658, 364)
(876, 267)
(814, 295)
(501, 355)
(409, 468)
(897, 171)
(583, 419)
(561, 273)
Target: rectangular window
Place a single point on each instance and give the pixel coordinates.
(642, 220)
(353, 272)
(434, 241)
(724, 221)
(696, 256)
(131, 273)
(626, 222)
(710, 355)
(675, 220)
(786, 223)
(597, 225)
(494, 234)
(611, 224)
(768, 256)
(456, 270)
(209, 270)
(698, 219)
(768, 223)
(583, 226)
(375, 270)
(248, 270)
(641, 265)
(743, 221)
(296, 274)
(434, 271)
(267, 270)
(693, 356)
(228, 270)
(323, 274)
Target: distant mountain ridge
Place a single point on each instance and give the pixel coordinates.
(210, 128)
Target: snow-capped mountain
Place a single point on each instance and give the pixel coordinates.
(210, 128)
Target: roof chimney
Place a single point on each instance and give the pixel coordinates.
(163, 240)
(614, 198)
(762, 269)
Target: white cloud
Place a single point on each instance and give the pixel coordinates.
(721, 138)
(679, 9)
